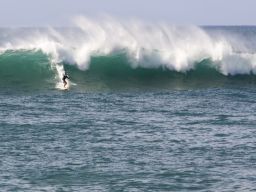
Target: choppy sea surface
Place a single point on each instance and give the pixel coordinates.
(160, 120)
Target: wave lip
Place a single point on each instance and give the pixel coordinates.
(131, 50)
(34, 70)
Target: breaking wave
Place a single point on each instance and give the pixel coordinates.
(130, 52)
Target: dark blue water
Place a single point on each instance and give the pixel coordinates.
(142, 140)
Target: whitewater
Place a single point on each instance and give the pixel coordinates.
(150, 107)
(140, 45)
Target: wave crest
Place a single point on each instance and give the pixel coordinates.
(176, 48)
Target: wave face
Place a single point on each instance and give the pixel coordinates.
(126, 53)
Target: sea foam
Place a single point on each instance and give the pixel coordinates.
(147, 45)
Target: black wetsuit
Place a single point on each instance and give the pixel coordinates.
(64, 78)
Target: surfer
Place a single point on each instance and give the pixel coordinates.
(65, 76)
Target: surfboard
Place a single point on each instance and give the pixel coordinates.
(60, 86)
(65, 88)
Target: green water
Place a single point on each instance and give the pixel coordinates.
(122, 127)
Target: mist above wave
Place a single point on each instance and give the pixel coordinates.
(176, 48)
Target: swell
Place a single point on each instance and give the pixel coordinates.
(34, 70)
(177, 48)
(25, 68)
(115, 72)
(109, 53)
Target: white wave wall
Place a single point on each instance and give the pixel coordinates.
(147, 45)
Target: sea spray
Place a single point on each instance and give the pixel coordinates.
(144, 45)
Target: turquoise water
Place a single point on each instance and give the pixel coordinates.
(125, 128)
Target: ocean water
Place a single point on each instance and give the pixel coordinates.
(150, 107)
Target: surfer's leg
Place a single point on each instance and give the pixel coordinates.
(65, 83)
